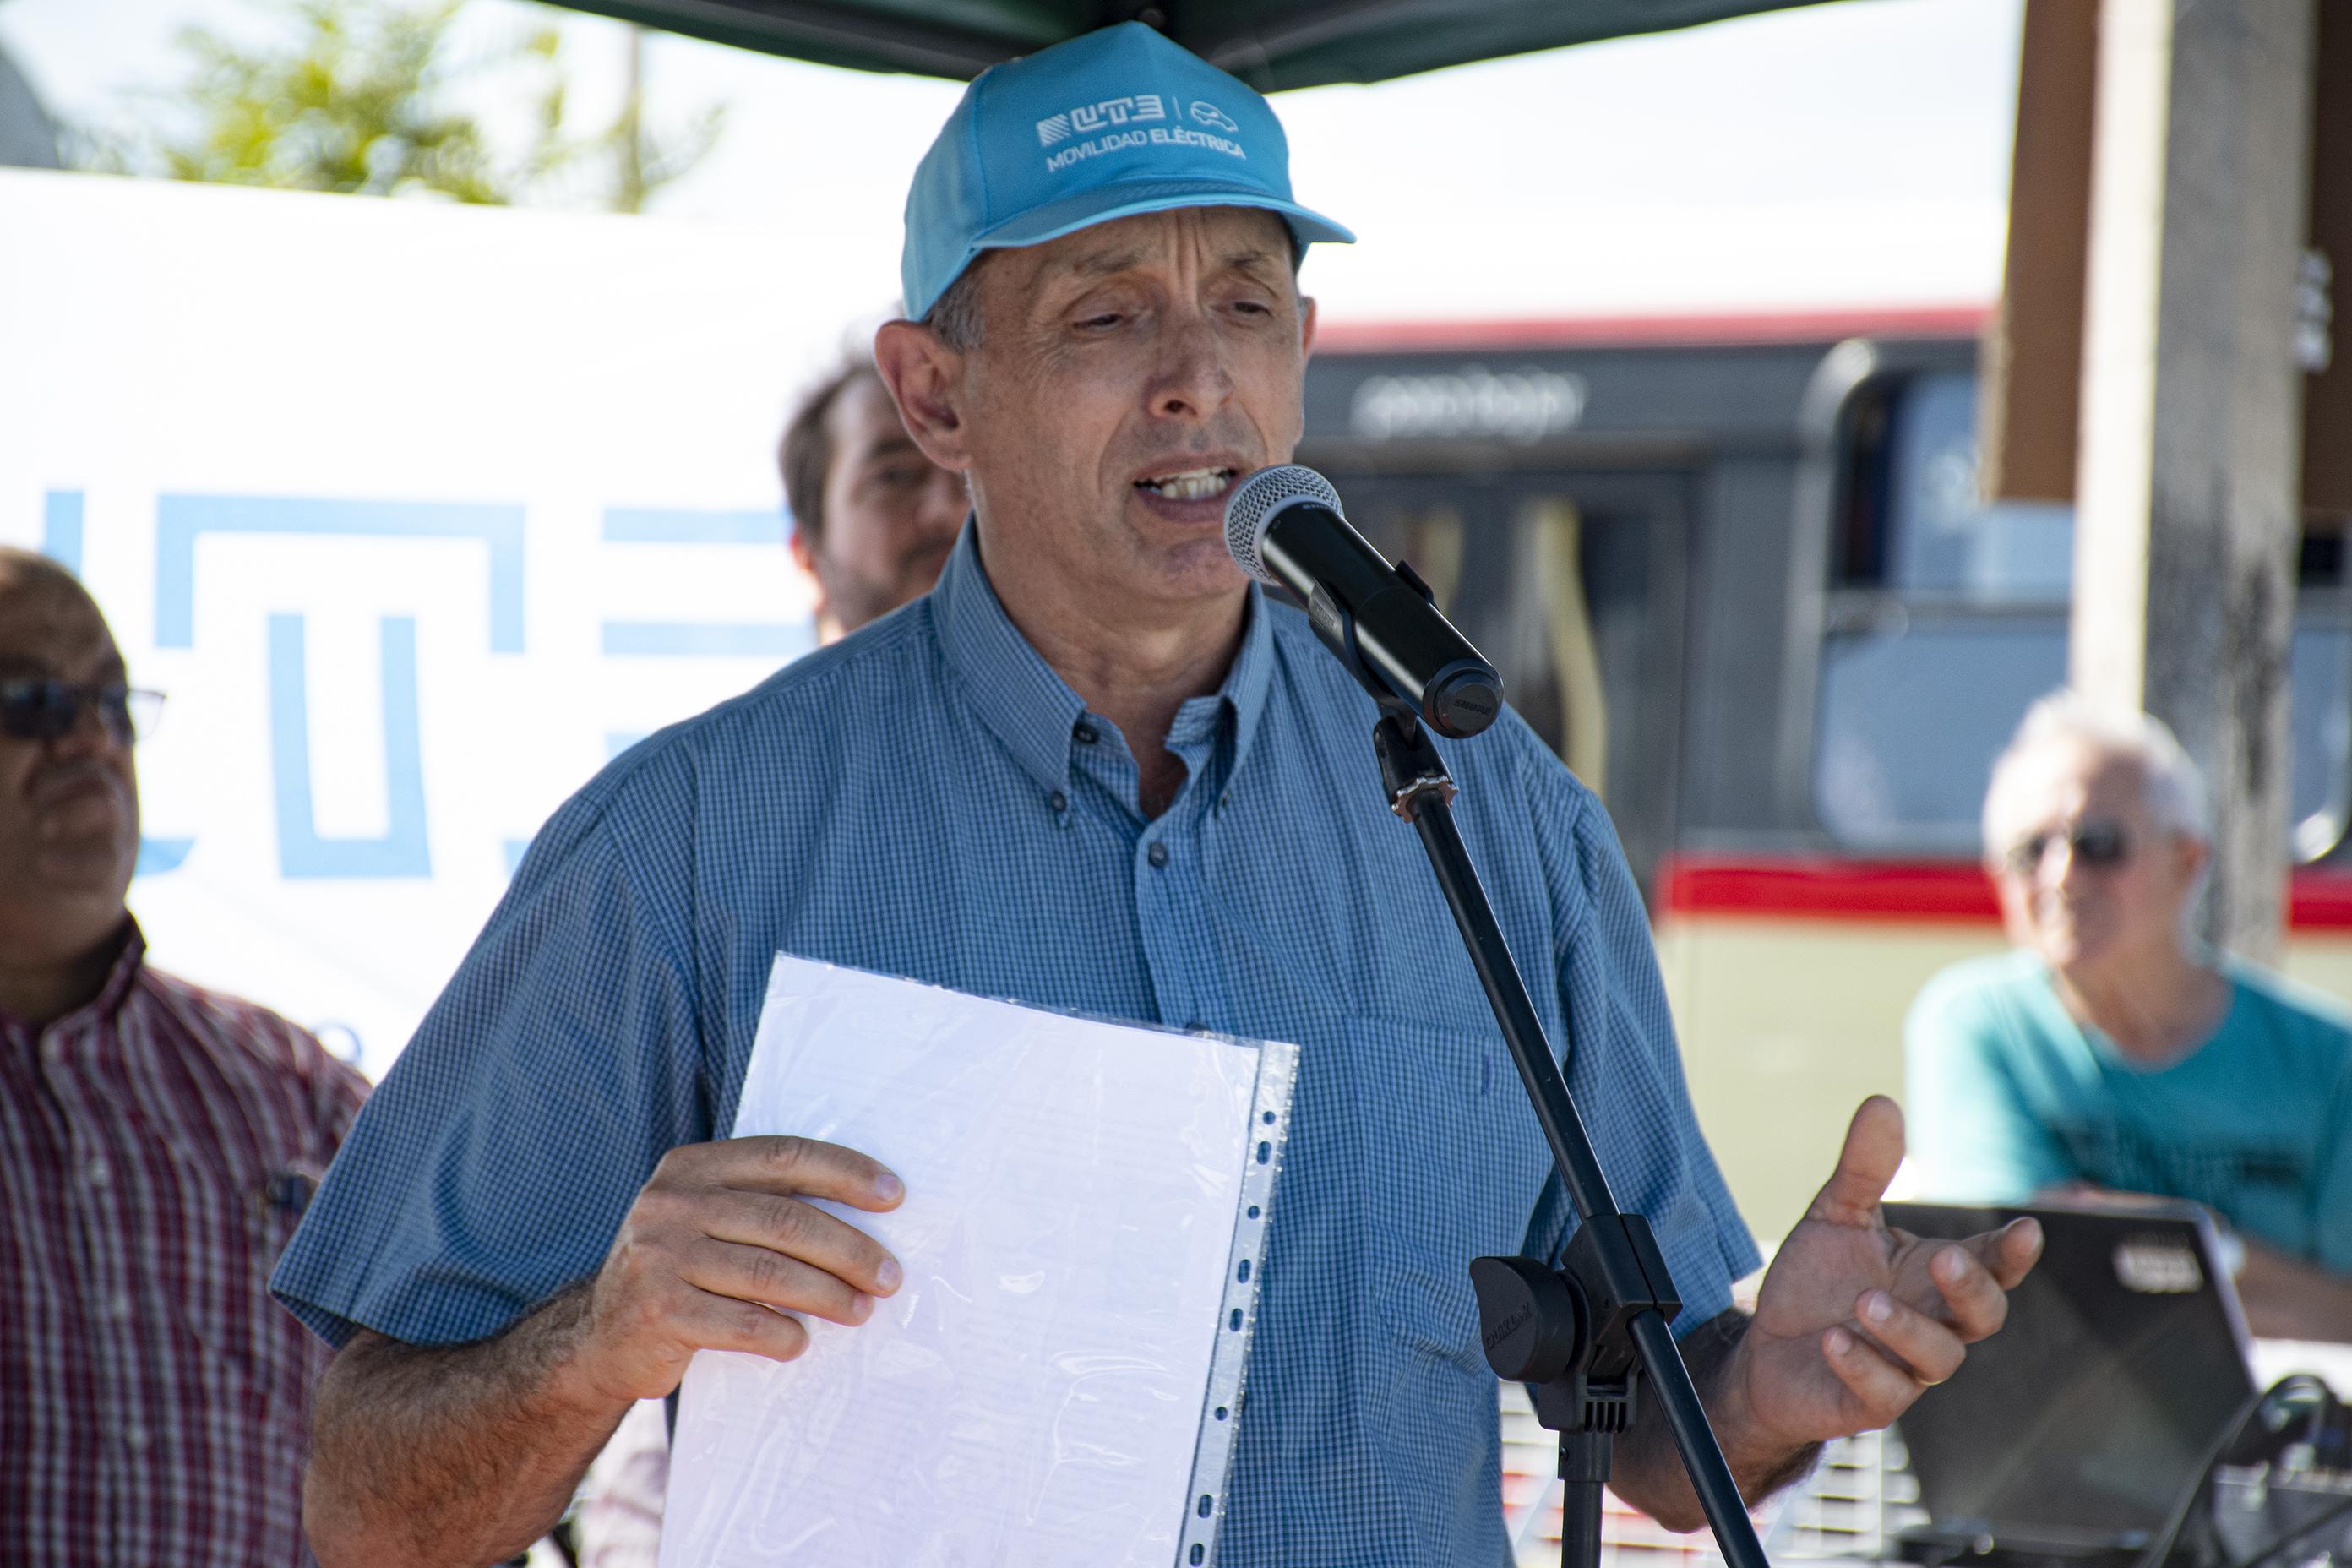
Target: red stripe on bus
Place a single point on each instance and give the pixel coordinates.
(2319, 900)
(1827, 888)
(1702, 330)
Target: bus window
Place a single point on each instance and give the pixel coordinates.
(1912, 716)
(2319, 710)
(1574, 585)
(1946, 618)
(1940, 538)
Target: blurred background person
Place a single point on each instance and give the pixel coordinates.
(2114, 1053)
(160, 1140)
(873, 521)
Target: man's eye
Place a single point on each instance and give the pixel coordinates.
(1102, 318)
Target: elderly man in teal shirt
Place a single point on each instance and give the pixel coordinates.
(2112, 1052)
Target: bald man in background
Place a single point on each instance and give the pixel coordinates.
(158, 1143)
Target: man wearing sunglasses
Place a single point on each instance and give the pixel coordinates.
(157, 1144)
(2113, 1053)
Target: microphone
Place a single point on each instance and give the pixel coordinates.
(1284, 527)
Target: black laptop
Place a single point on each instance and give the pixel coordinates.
(2073, 1432)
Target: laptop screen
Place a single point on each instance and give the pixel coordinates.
(2080, 1423)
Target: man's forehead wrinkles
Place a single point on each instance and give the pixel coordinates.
(1114, 255)
(1106, 263)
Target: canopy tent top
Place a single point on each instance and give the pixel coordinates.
(1270, 44)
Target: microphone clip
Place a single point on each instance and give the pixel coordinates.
(1411, 770)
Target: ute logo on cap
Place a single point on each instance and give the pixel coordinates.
(1087, 119)
(1101, 124)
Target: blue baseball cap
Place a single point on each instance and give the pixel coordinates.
(1107, 125)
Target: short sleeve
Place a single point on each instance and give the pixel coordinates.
(1624, 1071)
(2333, 1197)
(493, 1165)
(1973, 1135)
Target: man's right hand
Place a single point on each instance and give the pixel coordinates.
(720, 1246)
(467, 1453)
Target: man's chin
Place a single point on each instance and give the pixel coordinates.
(1203, 567)
(86, 871)
(2068, 949)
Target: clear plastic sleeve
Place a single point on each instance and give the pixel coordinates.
(1058, 1380)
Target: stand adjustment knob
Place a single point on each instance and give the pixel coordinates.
(1529, 1318)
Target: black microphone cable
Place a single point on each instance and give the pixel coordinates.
(2167, 1539)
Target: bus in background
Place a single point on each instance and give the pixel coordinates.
(1734, 568)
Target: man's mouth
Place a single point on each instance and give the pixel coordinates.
(1191, 484)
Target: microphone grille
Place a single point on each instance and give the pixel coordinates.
(1250, 508)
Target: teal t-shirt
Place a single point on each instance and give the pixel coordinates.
(2009, 1095)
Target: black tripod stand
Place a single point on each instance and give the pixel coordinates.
(1589, 1332)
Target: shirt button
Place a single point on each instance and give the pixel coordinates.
(119, 1308)
(134, 1439)
(1157, 854)
(1058, 801)
(1087, 734)
(98, 1173)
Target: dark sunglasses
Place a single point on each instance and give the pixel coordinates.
(2099, 843)
(34, 709)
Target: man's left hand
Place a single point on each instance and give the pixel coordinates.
(1854, 1320)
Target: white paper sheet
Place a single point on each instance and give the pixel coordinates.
(1055, 1381)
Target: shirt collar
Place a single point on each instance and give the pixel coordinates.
(1032, 709)
(120, 977)
(1253, 673)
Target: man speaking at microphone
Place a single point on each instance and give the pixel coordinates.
(1096, 770)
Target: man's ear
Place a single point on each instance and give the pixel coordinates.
(1306, 325)
(804, 551)
(926, 381)
(2193, 852)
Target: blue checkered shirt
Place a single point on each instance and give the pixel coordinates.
(927, 798)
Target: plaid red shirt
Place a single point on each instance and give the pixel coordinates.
(156, 1147)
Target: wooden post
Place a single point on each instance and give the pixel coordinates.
(2187, 526)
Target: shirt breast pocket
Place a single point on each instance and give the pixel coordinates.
(1451, 1164)
(255, 1353)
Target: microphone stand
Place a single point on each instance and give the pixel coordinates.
(1587, 1334)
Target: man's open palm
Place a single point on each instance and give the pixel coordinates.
(1854, 1318)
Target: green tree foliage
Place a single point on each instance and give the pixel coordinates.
(372, 97)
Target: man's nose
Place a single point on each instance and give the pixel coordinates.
(89, 735)
(2060, 867)
(1192, 381)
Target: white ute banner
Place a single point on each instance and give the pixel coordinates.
(419, 513)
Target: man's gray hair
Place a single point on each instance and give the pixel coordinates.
(2175, 791)
(954, 317)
